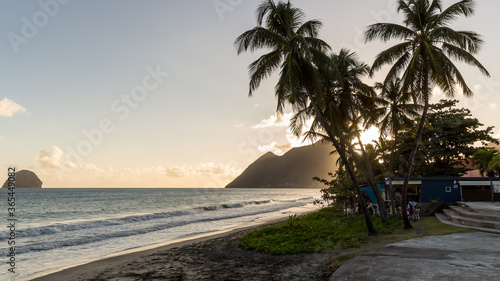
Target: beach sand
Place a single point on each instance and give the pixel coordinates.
(213, 257)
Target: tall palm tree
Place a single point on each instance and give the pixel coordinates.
(397, 112)
(353, 108)
(424, 57)
(301, 60)
(486, 160)
(349, 107)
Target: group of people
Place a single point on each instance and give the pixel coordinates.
(412, 209)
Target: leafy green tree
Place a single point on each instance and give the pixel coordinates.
(301, 60)
(339, 189)
(424, 58)
(448, 141)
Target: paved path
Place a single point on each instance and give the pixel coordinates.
(461, 256)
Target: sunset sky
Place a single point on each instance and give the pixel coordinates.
(123, 93)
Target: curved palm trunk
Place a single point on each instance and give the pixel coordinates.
(411, 159)
(371, 179)
(349, 169)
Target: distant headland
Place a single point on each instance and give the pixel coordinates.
(294, 169)
(26, 179)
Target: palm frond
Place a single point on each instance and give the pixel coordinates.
(388, 31)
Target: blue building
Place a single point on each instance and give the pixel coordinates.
(445, 189)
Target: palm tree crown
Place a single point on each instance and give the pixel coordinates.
(483, 159)
(429, 43)
(395, 108)
(294, 50)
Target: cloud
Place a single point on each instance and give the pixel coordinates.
(58, 173)
(493, 106)
(9, 108)
(292, 140)
(276, 120)
(53, 159)
(239, 125)
(174, 172)
(275, 148)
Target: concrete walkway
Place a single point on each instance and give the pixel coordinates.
(461, 256)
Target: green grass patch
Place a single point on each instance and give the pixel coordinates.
(324, 230)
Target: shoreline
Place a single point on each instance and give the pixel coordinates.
(116, 263)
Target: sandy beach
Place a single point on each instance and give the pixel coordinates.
(214, 257)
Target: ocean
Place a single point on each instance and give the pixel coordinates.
(60, 228)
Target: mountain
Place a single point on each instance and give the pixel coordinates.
(294, 169)
(25, 178)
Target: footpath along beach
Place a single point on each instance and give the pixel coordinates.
(214, 257)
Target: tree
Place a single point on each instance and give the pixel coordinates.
(448, 141)
(339, 189)
(301, 59)
(397, 113)
(352, 108)
(495, 165)
(424, 58)
(349, 108)
(486, 159)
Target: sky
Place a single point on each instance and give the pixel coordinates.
(151, 93)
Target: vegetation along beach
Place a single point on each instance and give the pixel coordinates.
(250, 140)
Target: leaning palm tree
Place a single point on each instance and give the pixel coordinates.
(423, 59)
(349, 108)
(397, 113)
(485, 160)
(300, 58)
(352, 104)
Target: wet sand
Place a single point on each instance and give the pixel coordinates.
(214, 257)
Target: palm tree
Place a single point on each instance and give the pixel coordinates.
(301, 59)
(353, 108)
(495, 165)
(487, 161)
(424, 57)
(349, 107)
(397, 112)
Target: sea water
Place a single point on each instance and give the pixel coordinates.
(59, 228)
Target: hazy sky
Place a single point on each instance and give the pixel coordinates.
(152, 93)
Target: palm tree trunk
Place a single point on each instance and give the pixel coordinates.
(391, 166)
(411, 159)
(368, 171)
(492, 190)
(349, 169)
